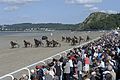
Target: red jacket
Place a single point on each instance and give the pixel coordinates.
(87, 61)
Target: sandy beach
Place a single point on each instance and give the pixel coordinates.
(14, 59)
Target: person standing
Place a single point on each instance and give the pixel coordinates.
(87, 63)
(67, 71)
(58, 70)
(79, 66)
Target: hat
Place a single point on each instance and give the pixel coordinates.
(38, 67)
(109, 68)
(93, 73)
(32, 71)
(109, 57)
(23, 75)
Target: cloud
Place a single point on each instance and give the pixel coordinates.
(11, 8)
(94, 9)
(84, 1)
(103, 11)
(17, 2)
(110, 11)
(88, 5)
(13, 5)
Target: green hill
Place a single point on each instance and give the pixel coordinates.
(100, 21)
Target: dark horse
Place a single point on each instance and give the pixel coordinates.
(26, 44)
(88, 38)
(75, 37)
(48, 43)
(14, 44)
(38, 43)
(52, 43)
(80, 39)
(68, 39)
(63, 38)
(73, 41)
(55, 43)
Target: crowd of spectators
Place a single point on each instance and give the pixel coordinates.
(98, 60)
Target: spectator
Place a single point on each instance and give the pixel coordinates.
(79, 66)
(110, 69)
(58, 70)
(67, 71)
(34, 76)
(87, 62)
(24, 77)
(40, 72)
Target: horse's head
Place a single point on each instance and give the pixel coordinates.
(24, 41)
(11, 42)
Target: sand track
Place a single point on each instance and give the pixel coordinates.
(14, 59)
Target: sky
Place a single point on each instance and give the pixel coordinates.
(53, 11)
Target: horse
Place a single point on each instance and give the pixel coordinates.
(68, 39)
(88, 38)
(26, 44)
(80, 39)
(55, 43)
(14, 44)
(63, 38)
(75, 37)
(73, 42)
(38, 43)
(48, 43)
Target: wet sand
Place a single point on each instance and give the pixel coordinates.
(14, 59)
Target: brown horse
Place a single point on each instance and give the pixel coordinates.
(80, 39)
(14, 44)
(55, 43)
(52, 43)
(73, 41)
(27, 44)
(38, 43)
(49, 43)
(68, 39)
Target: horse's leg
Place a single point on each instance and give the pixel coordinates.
(12, 46)
(79, 41)
(42, 44)
(47, 44)
(18, 45)
(59, 44)
(25, 45)
(31, 45)
(35, 45)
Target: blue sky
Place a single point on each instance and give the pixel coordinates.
(53, 11)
